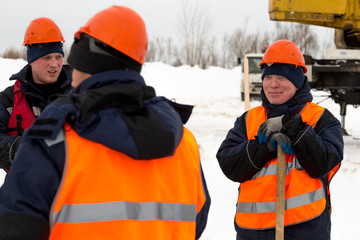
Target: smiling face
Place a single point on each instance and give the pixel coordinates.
(278, 89)
(46, 69)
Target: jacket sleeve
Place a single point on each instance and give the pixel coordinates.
(6, 141)
(21, 226)
(240, 158)
(202, 216)
(318, 149)
(6, 100)
(28, 191)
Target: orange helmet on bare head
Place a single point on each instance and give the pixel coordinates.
(42, 37)
(114, 38)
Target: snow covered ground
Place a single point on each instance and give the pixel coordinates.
(215, 94)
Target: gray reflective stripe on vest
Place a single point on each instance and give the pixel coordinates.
(81, 213)
(293, 202)
(272, 169)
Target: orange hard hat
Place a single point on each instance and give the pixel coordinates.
(284, 51)
(42, 30)
(120, 28)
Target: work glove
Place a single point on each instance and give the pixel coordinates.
(294, 126)
(270, 126)
(7, 153)
(283, 140)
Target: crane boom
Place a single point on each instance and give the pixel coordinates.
(342, 15)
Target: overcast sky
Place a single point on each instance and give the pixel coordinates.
(161, 16)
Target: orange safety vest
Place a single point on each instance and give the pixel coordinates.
(126, 198)
(305, 197)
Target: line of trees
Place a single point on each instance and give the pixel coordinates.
(198, 47)
(207, 52)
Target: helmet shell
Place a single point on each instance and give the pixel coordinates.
(120, 28)
(284, 51)
(42, 30)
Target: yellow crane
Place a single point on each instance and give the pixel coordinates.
(342, 15)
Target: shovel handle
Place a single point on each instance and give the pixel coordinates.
(280, 197)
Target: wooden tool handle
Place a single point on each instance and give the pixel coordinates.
(280, 197)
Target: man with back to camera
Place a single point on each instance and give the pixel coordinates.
(111, 160)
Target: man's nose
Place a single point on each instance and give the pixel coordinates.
(274, 82)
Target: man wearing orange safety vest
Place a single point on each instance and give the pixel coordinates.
(112, 160)
(40, 82)
(311, 138)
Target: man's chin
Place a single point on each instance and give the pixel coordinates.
(276, 100)
(49, 80)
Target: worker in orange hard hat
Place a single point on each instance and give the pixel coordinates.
(41, 81)
(111, 160)
(311, 138)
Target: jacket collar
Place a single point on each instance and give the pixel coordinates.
(109, 77)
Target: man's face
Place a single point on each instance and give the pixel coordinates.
(46, 70)
(278, 89)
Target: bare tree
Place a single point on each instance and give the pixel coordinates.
(13, 53)
(151, 52)
(160, 47)
(241, 42)
(177, 58)
(301, 34)
(224, 52)
(252, 45)
(304, 37)
(237, 41)
(235, 47)
(264, 41)
(169, 51)
(195, 28)
(282, 31)
(157, 51)
(209, 56)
